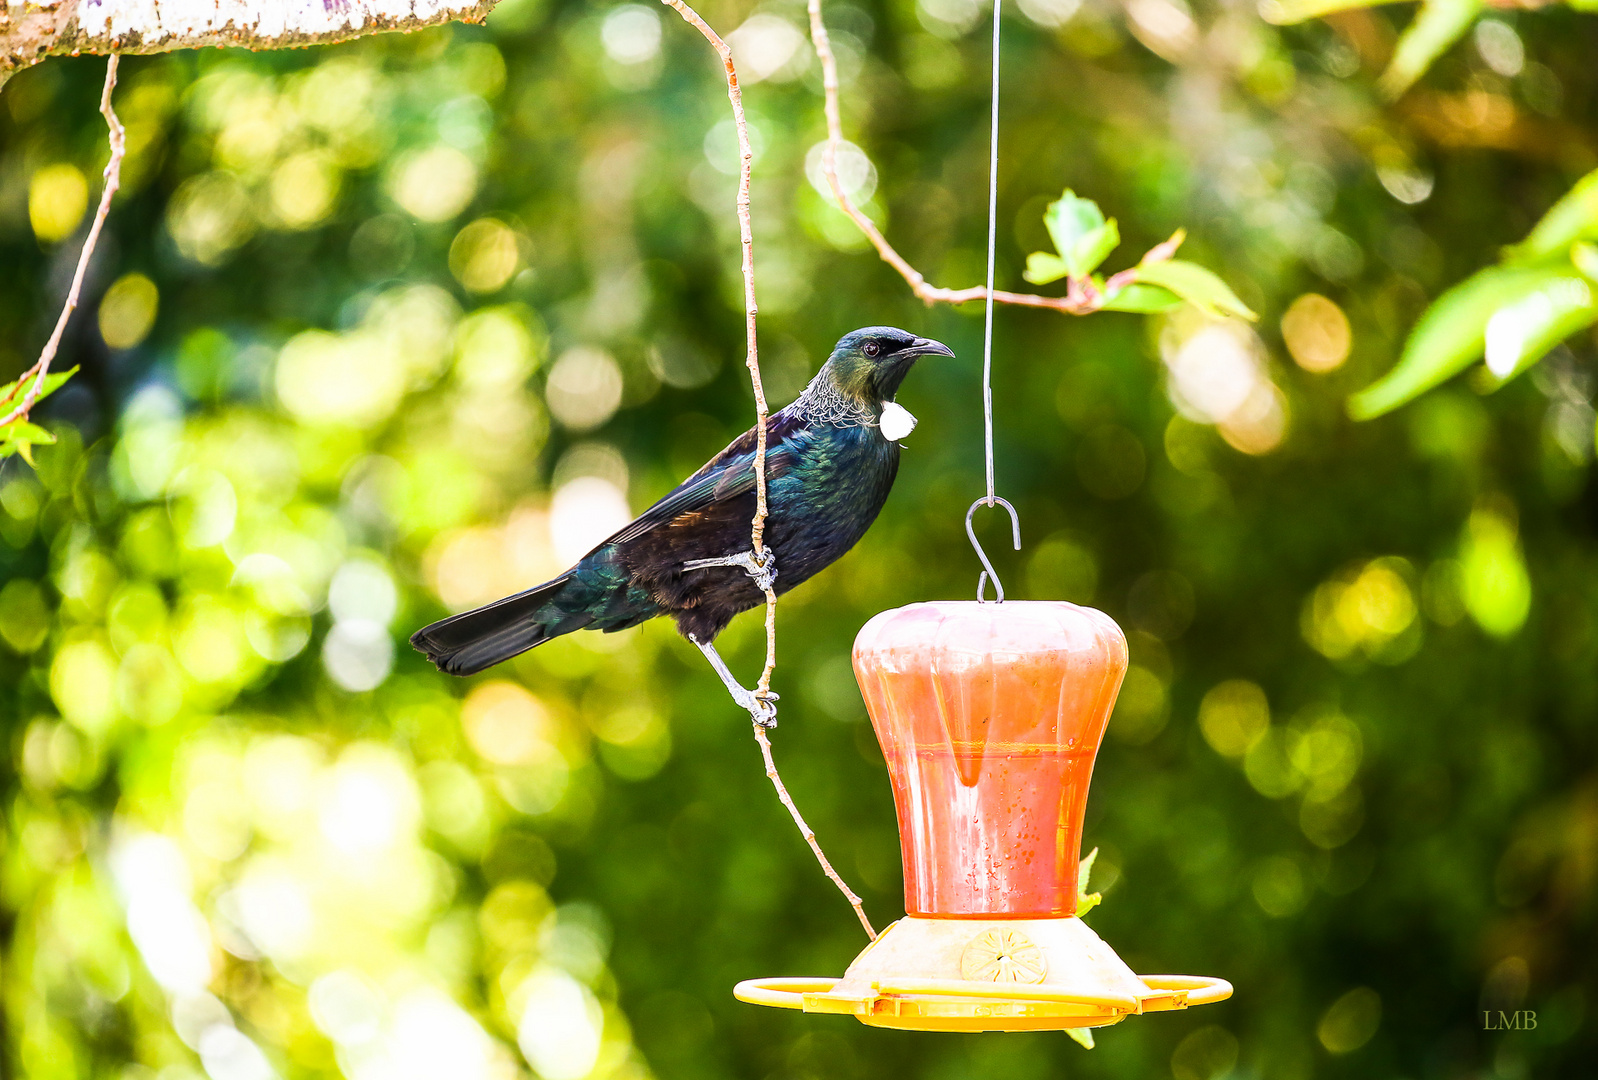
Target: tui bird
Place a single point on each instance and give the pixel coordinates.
(831, 459)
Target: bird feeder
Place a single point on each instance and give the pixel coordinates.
(989, 716)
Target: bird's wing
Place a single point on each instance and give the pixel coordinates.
(726, 476)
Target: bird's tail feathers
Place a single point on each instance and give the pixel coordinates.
(467, 643)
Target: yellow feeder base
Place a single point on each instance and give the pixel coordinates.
(987, 975)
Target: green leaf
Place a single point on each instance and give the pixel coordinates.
(19, 431)
(1080, 233)
(1572, 218)
(1521, 333)
(1453, 331)
(1093, 248)
(1284, 12)
(20, 437)
(52, 383)
(1147, 299)
(1585, 256)
(1042, 268)
(1086, 901)
(1069, 218)
(1200, 287)
(1439, 24)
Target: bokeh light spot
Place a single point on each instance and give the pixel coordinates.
(856, 174)
(506, 724)
(1142, 709)
(561, 1026)
(82, 682)
(229, 1054)
(358, 654)
(1370, 608)
(368, 803)
(1050, 13)
(584, 512)
(346, 1007)
(1233, 716)
(362, 589)
(631, 34)
(434, 184)
(1205, 1054)
(1317, 333)
(484, 255)
(303, 189)
(1497, 588)
(325, 379)
(768, 46)
(209, 217)
(1351, 1021)
(127, 311)
(58, 195)
(1279, 887)
(584, 388)
(495, 349)
(24, 615)
(1217, 376)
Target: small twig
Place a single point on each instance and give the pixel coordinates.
(757, 526)
(113, 179)
(746, 236)
(1081, 298)
(809, 833)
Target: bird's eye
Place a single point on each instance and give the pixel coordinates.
(872, 348)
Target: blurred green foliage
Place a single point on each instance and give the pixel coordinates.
(1514, 313)
(383, 330)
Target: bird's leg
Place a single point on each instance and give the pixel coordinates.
(762, 707)
(761, 567)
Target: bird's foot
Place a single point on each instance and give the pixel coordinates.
(762, 566)
(761, 704)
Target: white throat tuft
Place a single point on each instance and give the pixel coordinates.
(896, 421)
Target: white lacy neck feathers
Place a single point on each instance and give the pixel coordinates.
(823, 403)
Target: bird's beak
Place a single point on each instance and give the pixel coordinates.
(926, 347)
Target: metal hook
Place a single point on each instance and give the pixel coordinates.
(987, 567)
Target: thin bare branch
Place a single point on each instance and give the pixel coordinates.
(746, 158)
(113, 179)
(757, 526)
(809, 833)
(1081, 297)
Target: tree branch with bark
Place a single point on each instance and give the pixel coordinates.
(35, 29)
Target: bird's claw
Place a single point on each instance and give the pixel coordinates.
(762, 708)
(761, 704)
(761, 566)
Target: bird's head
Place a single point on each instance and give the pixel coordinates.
(869, 364)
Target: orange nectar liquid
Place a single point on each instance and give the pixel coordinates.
(1008, 844)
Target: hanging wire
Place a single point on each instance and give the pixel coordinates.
(991, 498)
(993, 234)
